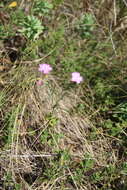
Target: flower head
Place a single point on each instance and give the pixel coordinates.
(13, 4)
(45, 68)
(39, 82)
(76, 77)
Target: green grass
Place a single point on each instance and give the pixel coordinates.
(63, 135)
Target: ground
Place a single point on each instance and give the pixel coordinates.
(56, 133)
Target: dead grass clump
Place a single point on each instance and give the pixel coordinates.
(51, 99)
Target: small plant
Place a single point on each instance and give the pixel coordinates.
(9, 183)
(86, 26)
(32, 27)
(42, 7)
(85, 166)
(5, 32)
(124, 168)
(87, 163)
(121, 112)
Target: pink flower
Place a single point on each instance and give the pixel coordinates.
(76, 77)
(39, 82)
(44, 68)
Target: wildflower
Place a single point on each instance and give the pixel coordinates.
(39, 82)
(76, 77)
(45, 68)
(13, 4)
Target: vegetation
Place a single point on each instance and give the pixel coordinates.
(63, 95)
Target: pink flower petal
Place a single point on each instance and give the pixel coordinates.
(75, 74)
(76, 77)
(44, 68)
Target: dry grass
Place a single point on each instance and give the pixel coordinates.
(26, 151)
